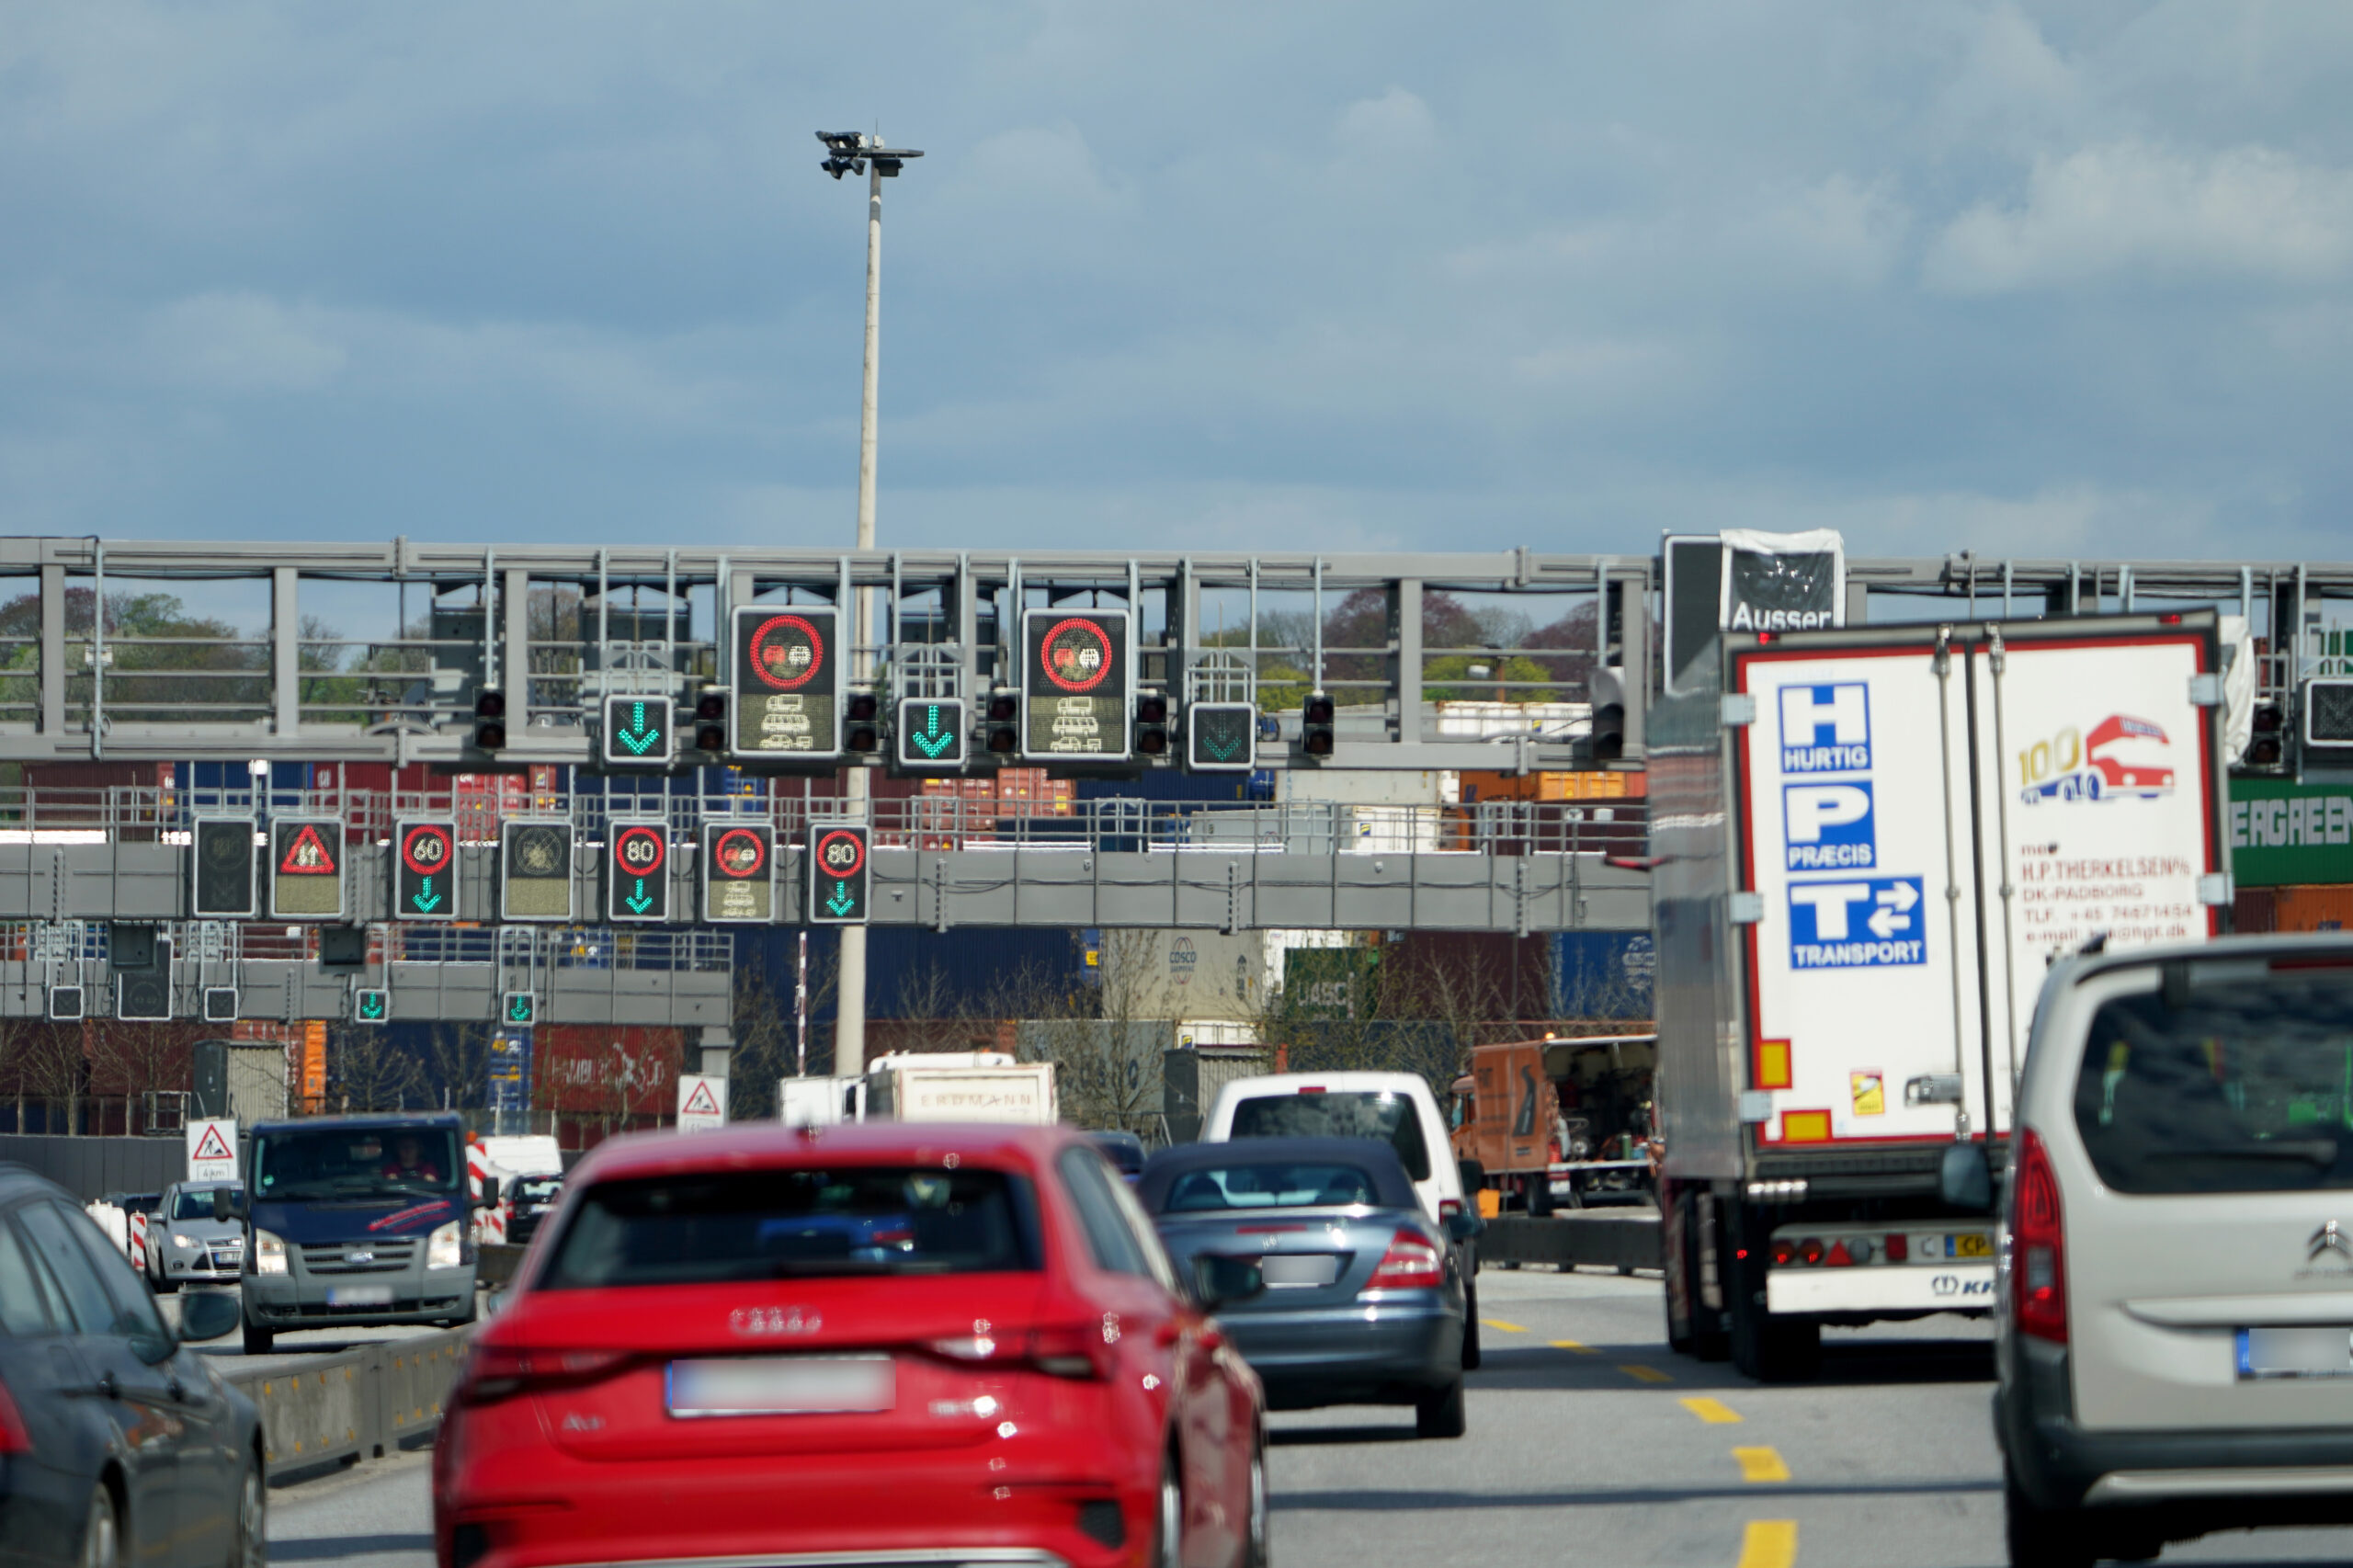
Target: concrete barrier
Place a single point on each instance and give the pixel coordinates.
(1594, 1237)
(495, 1264)
(357, 1405)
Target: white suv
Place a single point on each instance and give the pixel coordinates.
(2176, 1342)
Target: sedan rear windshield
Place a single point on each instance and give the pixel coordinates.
(1288, 1185)
(2236, 1086)
(1337, 1114)
(712, 1227)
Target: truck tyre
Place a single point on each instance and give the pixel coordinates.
(1439, 1413)
(1771, 1350)
(1539, 1195)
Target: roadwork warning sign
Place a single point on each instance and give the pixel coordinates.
(211, 1149)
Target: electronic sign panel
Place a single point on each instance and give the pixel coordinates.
(425, 870)
(738, 867)
(638, 732)
(306, 868)
(1221, 737)
(371, 1005)
(222, 867)
(931, 734)
(786, 675)
(518, 1007)
(840, 873)
(637, 871)
(1078, 677)
(534, 870)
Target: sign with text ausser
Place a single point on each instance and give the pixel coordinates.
(306, 868)
(1077, 682)
(785, 673)
(738, 865)
(425, 870)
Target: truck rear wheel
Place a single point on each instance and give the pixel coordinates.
(1772, 1349)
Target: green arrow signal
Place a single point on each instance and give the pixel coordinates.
(1221, 752)
(372, 1004)
(637, 737)
(841, 903)
(425, 898)
(930, 740)
(519, 1009)
(640, 900)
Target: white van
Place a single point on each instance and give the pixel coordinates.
(2175, 1265)
(1396, 1107)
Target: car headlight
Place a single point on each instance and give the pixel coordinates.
(441, 1248)
(269, 1253)
(181, 1241)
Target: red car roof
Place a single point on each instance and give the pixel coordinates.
(764, 1143)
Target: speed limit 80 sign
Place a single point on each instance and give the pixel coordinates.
(637, 874)
(840, 873)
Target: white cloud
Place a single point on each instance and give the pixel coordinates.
(243, 343)
(1397, 124)
(2128, 208)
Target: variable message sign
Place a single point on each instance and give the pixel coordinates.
(534, 870)
(638, 732)
(1078, 678)
(738, 872)
(637, 871)
(930, 735)
(786, 677)
(371, 1005)
(306, 868)
(222, 867)
(839, 872)
(425, 870)
(519, 1008)
(1221, 737)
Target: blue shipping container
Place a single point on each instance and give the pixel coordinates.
(1602, 974)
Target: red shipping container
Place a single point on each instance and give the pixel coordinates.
(604, 1070)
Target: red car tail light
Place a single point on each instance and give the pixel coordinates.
(495, 1372)
(13, 1438)
(1412, 1263)
(2039, 1245)
(1072, 1352)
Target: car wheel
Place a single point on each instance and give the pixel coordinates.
(1471, 1331)
(2043, 1537)
(101, 1532)
(1441, 1414)
(1168, 1518)
(250, 1547)
(259, 1339)
(1257, 1547)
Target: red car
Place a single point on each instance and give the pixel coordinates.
(913, 1344)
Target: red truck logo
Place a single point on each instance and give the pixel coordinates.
(2123, 757)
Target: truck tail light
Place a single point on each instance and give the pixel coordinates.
(2038, 1245)
(1899, 1247)
(1412, 1263)
(1784, 1253)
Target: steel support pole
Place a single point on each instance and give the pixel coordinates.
(849, 1005)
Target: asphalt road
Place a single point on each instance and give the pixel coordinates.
(1589, 1444)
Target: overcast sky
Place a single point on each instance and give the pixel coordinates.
(2064, 280)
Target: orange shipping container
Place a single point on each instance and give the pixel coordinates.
(1581, 786)
(2328, 908)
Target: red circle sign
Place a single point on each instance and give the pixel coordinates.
(1069, 660)
(436, 842)
(739, 854)
(787, 663)
(640, 850)
(828, 855)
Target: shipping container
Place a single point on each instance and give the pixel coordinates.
(2255, 910)
(1602, 974)
(2324, 908)
(605, 1070)
(1474, 786)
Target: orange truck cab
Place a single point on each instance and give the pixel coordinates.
(1558, 1121)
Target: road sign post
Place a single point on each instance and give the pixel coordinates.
(222, 869)
(1077, 683)
(638, 732)
(1221, 737)
(211, 1149)
(785, 675)
(306, 868)
(930, 735)
(425, 870)
(637, 872)
(738, 872)
(534, 870)
(840, 874)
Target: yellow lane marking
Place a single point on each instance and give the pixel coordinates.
(1769, 1544)
(1646, 1374)
(1505, 1327)
(1580, 1348)
(1714, 1412)
(1761, 1464)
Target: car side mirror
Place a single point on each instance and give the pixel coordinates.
(1963, 1179)
(209, 1314)
(489, 1198)
(493, 1301)
(1463, 1225)
(1475, 1176)
(1218, 1281)
(224, 1208)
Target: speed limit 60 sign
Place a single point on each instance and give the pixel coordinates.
(637, 871)
(840, 874)
(425, 870)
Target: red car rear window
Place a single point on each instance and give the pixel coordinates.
(706, 1227)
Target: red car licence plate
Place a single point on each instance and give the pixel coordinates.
(782, 1385)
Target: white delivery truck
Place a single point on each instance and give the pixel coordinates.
(946, 1086)
(1870, 843)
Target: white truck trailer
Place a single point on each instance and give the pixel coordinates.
(1870, 843)
(969, 1085)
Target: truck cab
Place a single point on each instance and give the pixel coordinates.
(358, 1222)
(1557, 1121)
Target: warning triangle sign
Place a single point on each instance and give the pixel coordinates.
(211, 1145)
(307, 856)
(700, 1102)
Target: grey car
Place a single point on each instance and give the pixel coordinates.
(196, 1234)
(1364, 1300)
